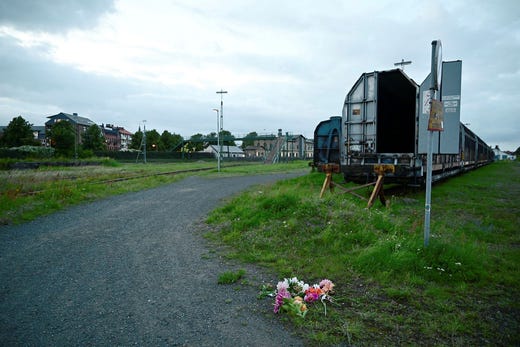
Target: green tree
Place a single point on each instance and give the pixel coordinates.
(249, 140)
(211, 138)
(226, 138)
(153, 140)
(170, 141)
(18, 133)
(137, 138)
(63, 138)
(196, 142)
(93, 139)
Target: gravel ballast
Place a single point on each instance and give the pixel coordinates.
(132, 269)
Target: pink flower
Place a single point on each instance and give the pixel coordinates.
(282, 284)
(326, 285)
(313, 293)
(311, 297)
(280, 295)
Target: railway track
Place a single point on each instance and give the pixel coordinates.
(108, 181)
(168, 173)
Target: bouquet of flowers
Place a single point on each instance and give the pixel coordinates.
(293, 295)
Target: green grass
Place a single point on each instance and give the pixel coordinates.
(460, 290)
(390, 290)
(28, 194)
(230, 277)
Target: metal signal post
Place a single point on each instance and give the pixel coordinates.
(221, 92)
(434, 124)
(142, 146)
(218, 141)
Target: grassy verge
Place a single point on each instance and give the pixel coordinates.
(27, 194)
(461, 290)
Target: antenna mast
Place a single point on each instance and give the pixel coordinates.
(402, 63)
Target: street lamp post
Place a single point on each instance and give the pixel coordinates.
(144, 141)
(218, 141)
(221, 92)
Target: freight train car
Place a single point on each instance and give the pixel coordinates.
(327, 137)
(384, 122)
(474, 151)
(379, 127)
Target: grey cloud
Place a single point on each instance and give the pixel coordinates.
(53, 16)
(30, 76)
(336, 43)
(31, 79)
(42, 86)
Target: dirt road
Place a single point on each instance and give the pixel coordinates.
(132, 270)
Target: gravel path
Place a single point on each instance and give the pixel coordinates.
(132, 270)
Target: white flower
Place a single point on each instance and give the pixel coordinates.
(282, 285)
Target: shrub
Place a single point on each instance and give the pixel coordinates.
(25, 152)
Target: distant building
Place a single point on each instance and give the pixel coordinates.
(116, 138)
(500, 155)
(227, 151)
(297, 147)
(254, 152)
(39, 134)
(126, 138)
(80, 124)
(112, 139)
(288, 146)
(37, 130)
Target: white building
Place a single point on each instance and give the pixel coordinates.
(227, 151)
(500, 155)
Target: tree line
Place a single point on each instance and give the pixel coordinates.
(63, 138)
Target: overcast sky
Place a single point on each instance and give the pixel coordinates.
(285, 64)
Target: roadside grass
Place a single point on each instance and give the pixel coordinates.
(230, 277)
(28, 194)
(254, 168)
(462, 289)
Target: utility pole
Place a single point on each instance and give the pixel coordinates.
(218, 142)
(221, 92)
(144, 141)
(402, 63)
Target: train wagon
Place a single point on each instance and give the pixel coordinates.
(327, 136)
(384, 121)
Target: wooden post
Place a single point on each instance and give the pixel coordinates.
(378, 185)
(328, 169)
(377, 190)
(326, 183)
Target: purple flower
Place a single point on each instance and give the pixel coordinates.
(311, 297)
(313, 293)
(280, 295)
